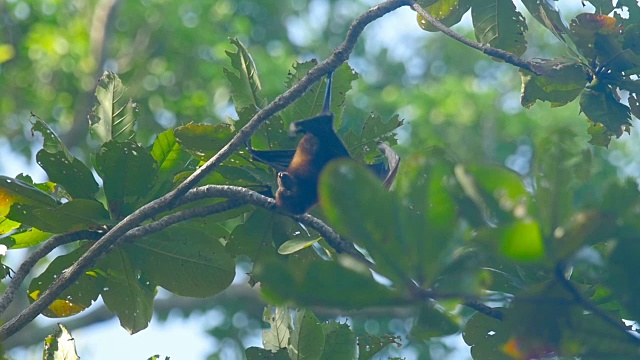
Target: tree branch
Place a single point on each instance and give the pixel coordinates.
(66, 278)
(589, 306)
(251, 197)
(34, 257)
(486, 49)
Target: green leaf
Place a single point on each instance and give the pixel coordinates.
(74, 176)
(448, 12)
(548, 14)
(74, 299)
(560, 166)
(361, 137)
(126, 293)
(486, 336)
(62, 167)
(498, 192)
(254, 237)
(7, 225)
(311, 103)
(600, 136)
(184, 260)
(561, 82)
(73, 215)
(339, 342)
(369, 345)
(244, 80)
(128, 172)
(583, 29)
(277, 336)
(256, 353)
(167, 152)
(612, 56)
(357, 206)
(521, 241)
(112, 118)
(60, 346)
(28, 238)
(600, 106)
(171, 160)
(17, 191)
(433, 322)
(293, 245)
(307, 338)
(203, 140)
(52, 142)
(499, 24)
(322, 283)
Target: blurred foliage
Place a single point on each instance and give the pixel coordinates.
(494, 202)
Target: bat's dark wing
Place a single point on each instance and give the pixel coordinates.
(277, 159)
(280, 160)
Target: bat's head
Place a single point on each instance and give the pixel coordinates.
(316, 125)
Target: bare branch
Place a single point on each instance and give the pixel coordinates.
(486, 49)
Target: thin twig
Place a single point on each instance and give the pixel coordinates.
(34, 257)
(66, 278)
(486, 49)
(589, 306)
(472, 302)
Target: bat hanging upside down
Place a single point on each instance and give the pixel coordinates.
(299, 169)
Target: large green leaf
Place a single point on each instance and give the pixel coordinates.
(112, 118)
(519, 240)
(433, 322)
(499, 192)
(203, 140)
(254, 238)
(256, 353)
(128, 172)
(73, 215)
(339, 342)
(370, 345)
(17, 191)
(126, 293)
(448, 12)
(74, 299)
(600, 106)
(499, 24)
(323, 283)
(62, 167)
(486, 336)
(583, 30)
(52, 142)
(184, 260)
(548, 14)
(74, 176)
(361, 137)
(311, 103)
(307, 338)
(360, 209)
(560, 165)
(561, 82)
(277, 336)
(244, 80)
(171, 160)
(29, 237)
